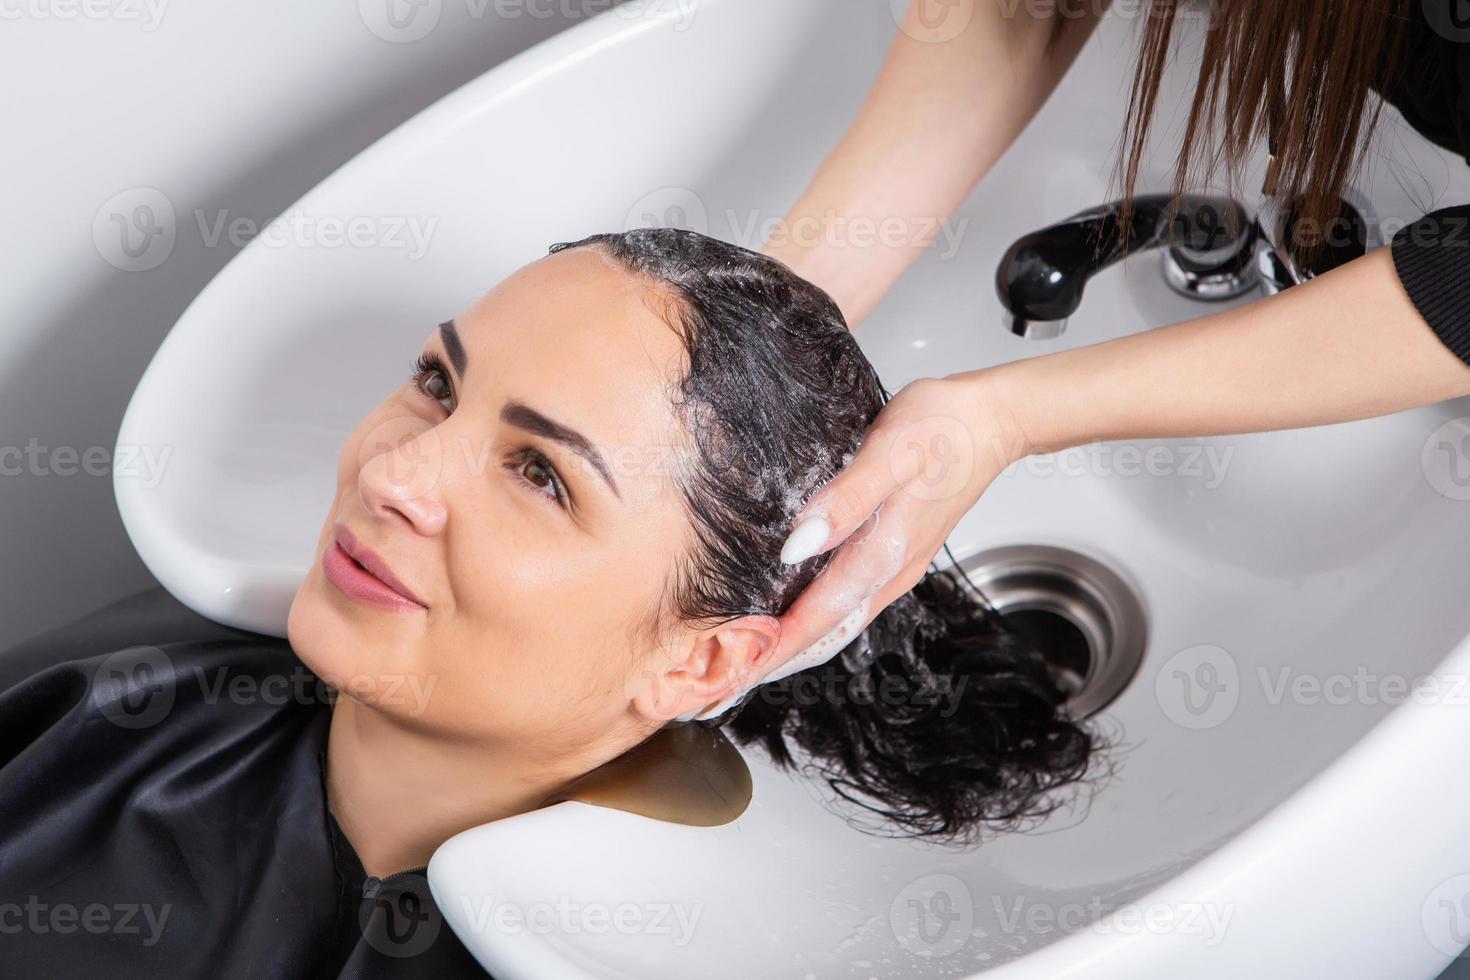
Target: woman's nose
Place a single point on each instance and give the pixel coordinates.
(401, 472)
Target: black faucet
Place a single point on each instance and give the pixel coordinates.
(1213, 251)
(1209, 244)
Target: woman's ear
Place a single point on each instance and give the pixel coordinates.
(706, 667)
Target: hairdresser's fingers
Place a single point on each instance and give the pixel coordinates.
(802, 646)
(924, 440)
(849, 498)
(884, 559)
(881, 561)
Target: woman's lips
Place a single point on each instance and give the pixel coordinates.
(361, 574)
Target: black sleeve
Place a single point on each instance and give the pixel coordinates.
(1432, 257)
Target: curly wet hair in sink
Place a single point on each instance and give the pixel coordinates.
(938, 720)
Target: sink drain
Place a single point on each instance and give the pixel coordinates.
(1081, 614)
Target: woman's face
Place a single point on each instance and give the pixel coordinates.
(523, 494)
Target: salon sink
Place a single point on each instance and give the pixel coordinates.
(1281, 806)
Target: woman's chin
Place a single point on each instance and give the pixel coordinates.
(323, 633)
(303, 625)
(351, 649)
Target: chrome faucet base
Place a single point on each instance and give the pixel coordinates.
(1213, 251)
(1237, 275)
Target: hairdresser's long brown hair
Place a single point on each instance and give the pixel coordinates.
(1307, 64)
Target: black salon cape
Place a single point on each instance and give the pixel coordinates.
(163, 814)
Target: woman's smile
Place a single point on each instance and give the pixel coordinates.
(364, 576)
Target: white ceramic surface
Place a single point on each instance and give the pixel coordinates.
(1284, 834)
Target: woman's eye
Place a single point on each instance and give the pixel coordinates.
(430, 378)
(539, 473)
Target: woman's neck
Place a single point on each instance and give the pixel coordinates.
(398, 792)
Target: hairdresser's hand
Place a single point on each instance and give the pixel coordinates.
(928, 456)
(933, 449)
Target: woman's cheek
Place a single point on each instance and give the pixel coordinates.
(350, 453)
(387, 423)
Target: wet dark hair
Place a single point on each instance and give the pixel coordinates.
(937, 719)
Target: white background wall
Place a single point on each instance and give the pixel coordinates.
(231, 110)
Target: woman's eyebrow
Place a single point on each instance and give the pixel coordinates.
(452, 346)
(527, 418)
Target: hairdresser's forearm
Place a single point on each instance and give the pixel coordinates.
(939, 116)
(1347, 345)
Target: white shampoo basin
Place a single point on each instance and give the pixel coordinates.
(1253, 828)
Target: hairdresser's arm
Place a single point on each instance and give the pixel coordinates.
(942, 111)
(1347, 345)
